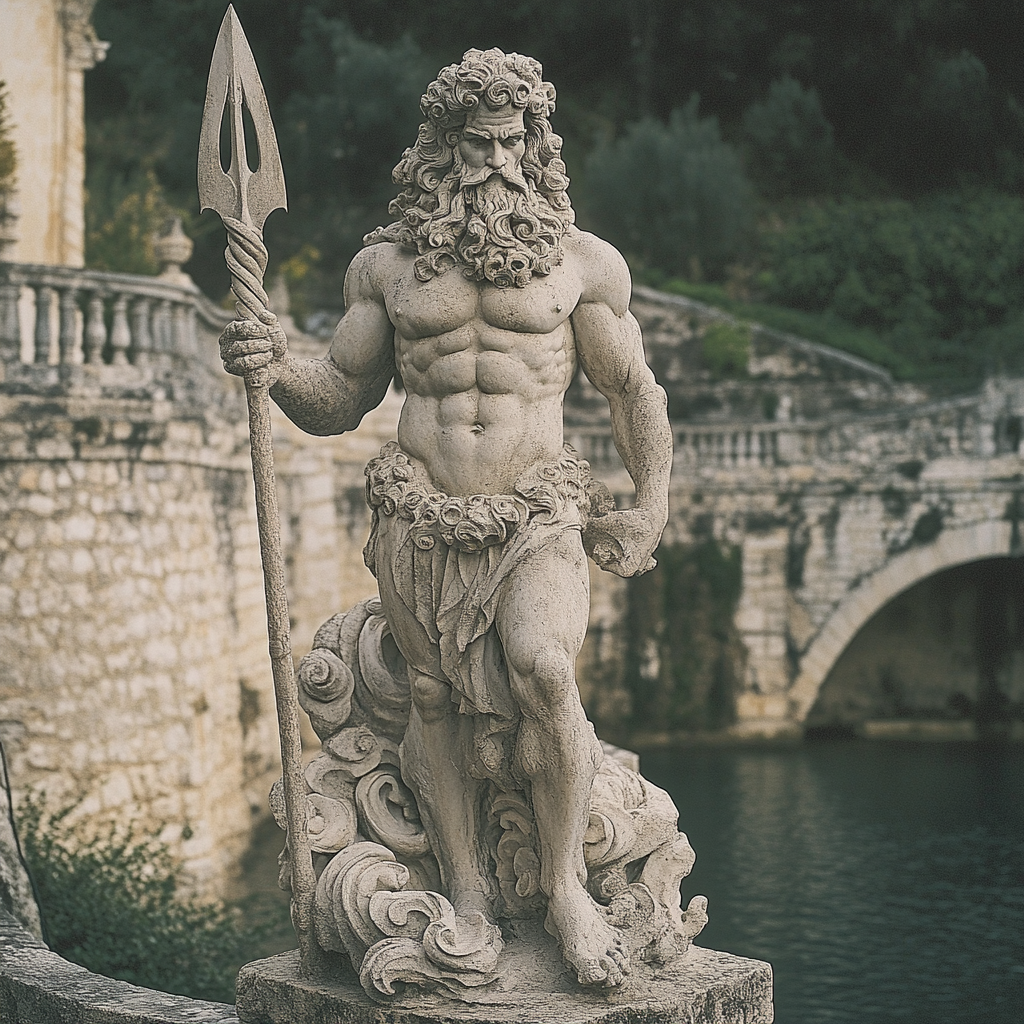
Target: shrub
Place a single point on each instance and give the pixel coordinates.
(932, 278)
(121, 217)
(674, 195)
(790, 144)
(726, 348)
(111, 902)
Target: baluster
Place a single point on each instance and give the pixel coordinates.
(95, 330)
(179, 330)
(189, 346)
(120, 334)
(142, 339)
(69, 340)
(162, 332)
(10, 323)
(755, 448)
(44, 335)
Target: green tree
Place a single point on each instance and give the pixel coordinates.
(674, 196)
(790, 143)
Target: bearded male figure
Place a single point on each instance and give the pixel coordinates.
(486, 297)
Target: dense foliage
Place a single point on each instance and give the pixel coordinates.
(941, 281)
(111, 901)
(675, 195)
(815, 121)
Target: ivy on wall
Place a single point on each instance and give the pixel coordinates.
(684, 653)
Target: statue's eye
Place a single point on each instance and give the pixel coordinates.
(512, 141)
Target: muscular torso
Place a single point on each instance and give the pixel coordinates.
(485, 370)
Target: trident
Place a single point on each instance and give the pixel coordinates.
(244, 199)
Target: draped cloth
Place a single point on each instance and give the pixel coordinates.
(446, 558)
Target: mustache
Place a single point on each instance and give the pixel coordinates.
(512, 176)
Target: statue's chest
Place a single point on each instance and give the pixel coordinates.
(429, 309)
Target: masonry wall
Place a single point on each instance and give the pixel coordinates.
(131, 638)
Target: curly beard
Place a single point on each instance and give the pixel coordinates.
(501, 229)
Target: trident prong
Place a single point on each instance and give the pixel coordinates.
(244, 195)
(244, 199)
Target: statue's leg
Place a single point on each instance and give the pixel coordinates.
(542, 619)
(436, 753)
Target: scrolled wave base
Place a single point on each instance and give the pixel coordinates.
(702, 987)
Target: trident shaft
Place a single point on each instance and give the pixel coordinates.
(244, 198)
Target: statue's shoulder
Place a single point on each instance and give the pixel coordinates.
(602, 270)
(375, 267)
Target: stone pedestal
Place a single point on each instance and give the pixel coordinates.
(702, 987)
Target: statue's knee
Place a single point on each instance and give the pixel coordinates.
(550, 681)
(430, 696)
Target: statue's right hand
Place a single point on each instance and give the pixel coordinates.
(248, 345)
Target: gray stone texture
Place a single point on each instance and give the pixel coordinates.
(705, 987)
(39, 987)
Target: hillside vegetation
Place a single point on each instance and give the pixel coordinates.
(861, 164)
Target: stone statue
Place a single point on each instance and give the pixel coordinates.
(460, 785)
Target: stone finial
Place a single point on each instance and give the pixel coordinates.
(172, 248)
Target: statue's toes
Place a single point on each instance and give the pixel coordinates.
(619, 956)
(592, 972)
(614, 975)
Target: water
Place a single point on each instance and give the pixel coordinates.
(884, 882)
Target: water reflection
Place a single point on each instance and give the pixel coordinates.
(884, 882)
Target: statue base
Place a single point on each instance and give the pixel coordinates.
(700, 987)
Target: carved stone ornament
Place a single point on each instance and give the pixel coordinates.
(377, 898)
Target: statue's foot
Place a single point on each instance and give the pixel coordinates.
(590, 945)
(470, 902)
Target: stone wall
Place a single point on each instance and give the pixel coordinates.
(134, 675)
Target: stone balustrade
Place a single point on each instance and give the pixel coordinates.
(953, 428)
(67, 316)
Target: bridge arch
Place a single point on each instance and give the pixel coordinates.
(952, 547)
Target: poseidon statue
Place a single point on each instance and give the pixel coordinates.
(456, 692)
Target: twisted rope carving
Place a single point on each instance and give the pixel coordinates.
(246, 257)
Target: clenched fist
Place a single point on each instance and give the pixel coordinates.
(623, 542)
(247, 346)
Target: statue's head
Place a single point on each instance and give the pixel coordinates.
(484, 187)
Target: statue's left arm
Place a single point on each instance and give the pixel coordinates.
(611, 353)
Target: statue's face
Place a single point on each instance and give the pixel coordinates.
(493, 141)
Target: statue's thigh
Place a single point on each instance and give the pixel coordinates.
(544, 608)
(412, 639)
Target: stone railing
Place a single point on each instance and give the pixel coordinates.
(40, 987)
(67, 316)
(954, 428)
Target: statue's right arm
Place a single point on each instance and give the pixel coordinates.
(329, 395)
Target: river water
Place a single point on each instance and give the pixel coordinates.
(884, 882)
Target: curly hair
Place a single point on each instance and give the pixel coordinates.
(501, 235)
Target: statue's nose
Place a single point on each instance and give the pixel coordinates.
(496, 158)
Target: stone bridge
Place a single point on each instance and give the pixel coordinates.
(842, 491)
